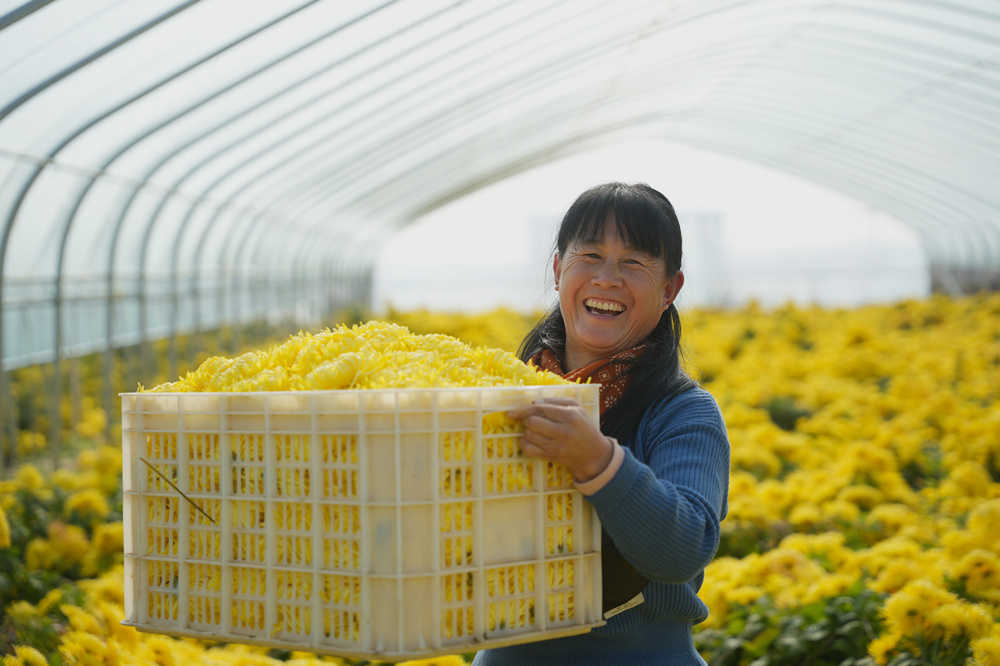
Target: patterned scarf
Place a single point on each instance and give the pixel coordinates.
(613, 374)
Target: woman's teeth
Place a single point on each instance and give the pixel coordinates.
(603, 307)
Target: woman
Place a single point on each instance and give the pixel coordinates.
(657, 469)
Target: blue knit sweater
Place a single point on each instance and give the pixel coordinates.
(663, 510)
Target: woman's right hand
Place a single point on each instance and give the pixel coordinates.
(561, 430)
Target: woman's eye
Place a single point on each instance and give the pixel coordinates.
(642, 260)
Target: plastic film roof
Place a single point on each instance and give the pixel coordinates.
(173, 165)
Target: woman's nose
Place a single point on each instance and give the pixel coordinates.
(607, 274)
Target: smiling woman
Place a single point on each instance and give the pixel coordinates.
(612, 291)
(657, 468)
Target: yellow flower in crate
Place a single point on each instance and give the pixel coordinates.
(372, 355)
(450, 660)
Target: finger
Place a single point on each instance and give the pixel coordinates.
(562, 402)
(539, 439)
(537, 408)
(541, 426)
(532, 450)
(519, 413)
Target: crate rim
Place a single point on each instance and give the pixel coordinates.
(356, 390)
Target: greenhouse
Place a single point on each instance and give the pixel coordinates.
(185, 180)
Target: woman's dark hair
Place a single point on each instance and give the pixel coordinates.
(644, 219)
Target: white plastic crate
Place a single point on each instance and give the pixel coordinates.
(388, 524)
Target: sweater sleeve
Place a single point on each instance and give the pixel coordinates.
(664, 506)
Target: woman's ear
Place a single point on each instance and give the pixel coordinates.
(672, 288)
(555, 269)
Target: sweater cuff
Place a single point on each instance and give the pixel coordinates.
(595, 484)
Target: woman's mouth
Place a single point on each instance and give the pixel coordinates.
(595, 306)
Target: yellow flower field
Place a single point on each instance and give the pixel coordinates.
(864, 499)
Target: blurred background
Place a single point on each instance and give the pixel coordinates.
(750, 234)
(180, 179)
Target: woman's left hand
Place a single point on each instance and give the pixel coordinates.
(560, 430)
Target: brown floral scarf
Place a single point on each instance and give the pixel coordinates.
(612, 373)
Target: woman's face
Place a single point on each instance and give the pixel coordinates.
(611, 297)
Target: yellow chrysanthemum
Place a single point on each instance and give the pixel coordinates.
(89, 503)
(879, 648)
(904, 613)
(368, 356)
(29, 478)
(985, 518)
(50, 601)
(929, 594)
(892, 517)
(975, 621)
(39, 556)
(68, 543)
(896, 575)
(805, 515)
(21, 611)
(4, 530)
(967, 479)
(29, 656)
(450, 660)
(866, 497)
(81, 620)
(109, 539)
(81, 647)
(985, 651)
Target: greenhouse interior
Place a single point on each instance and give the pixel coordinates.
(192, 188)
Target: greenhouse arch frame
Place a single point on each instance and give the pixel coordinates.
(171, 168)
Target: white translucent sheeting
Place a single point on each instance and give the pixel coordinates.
(175, 165)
